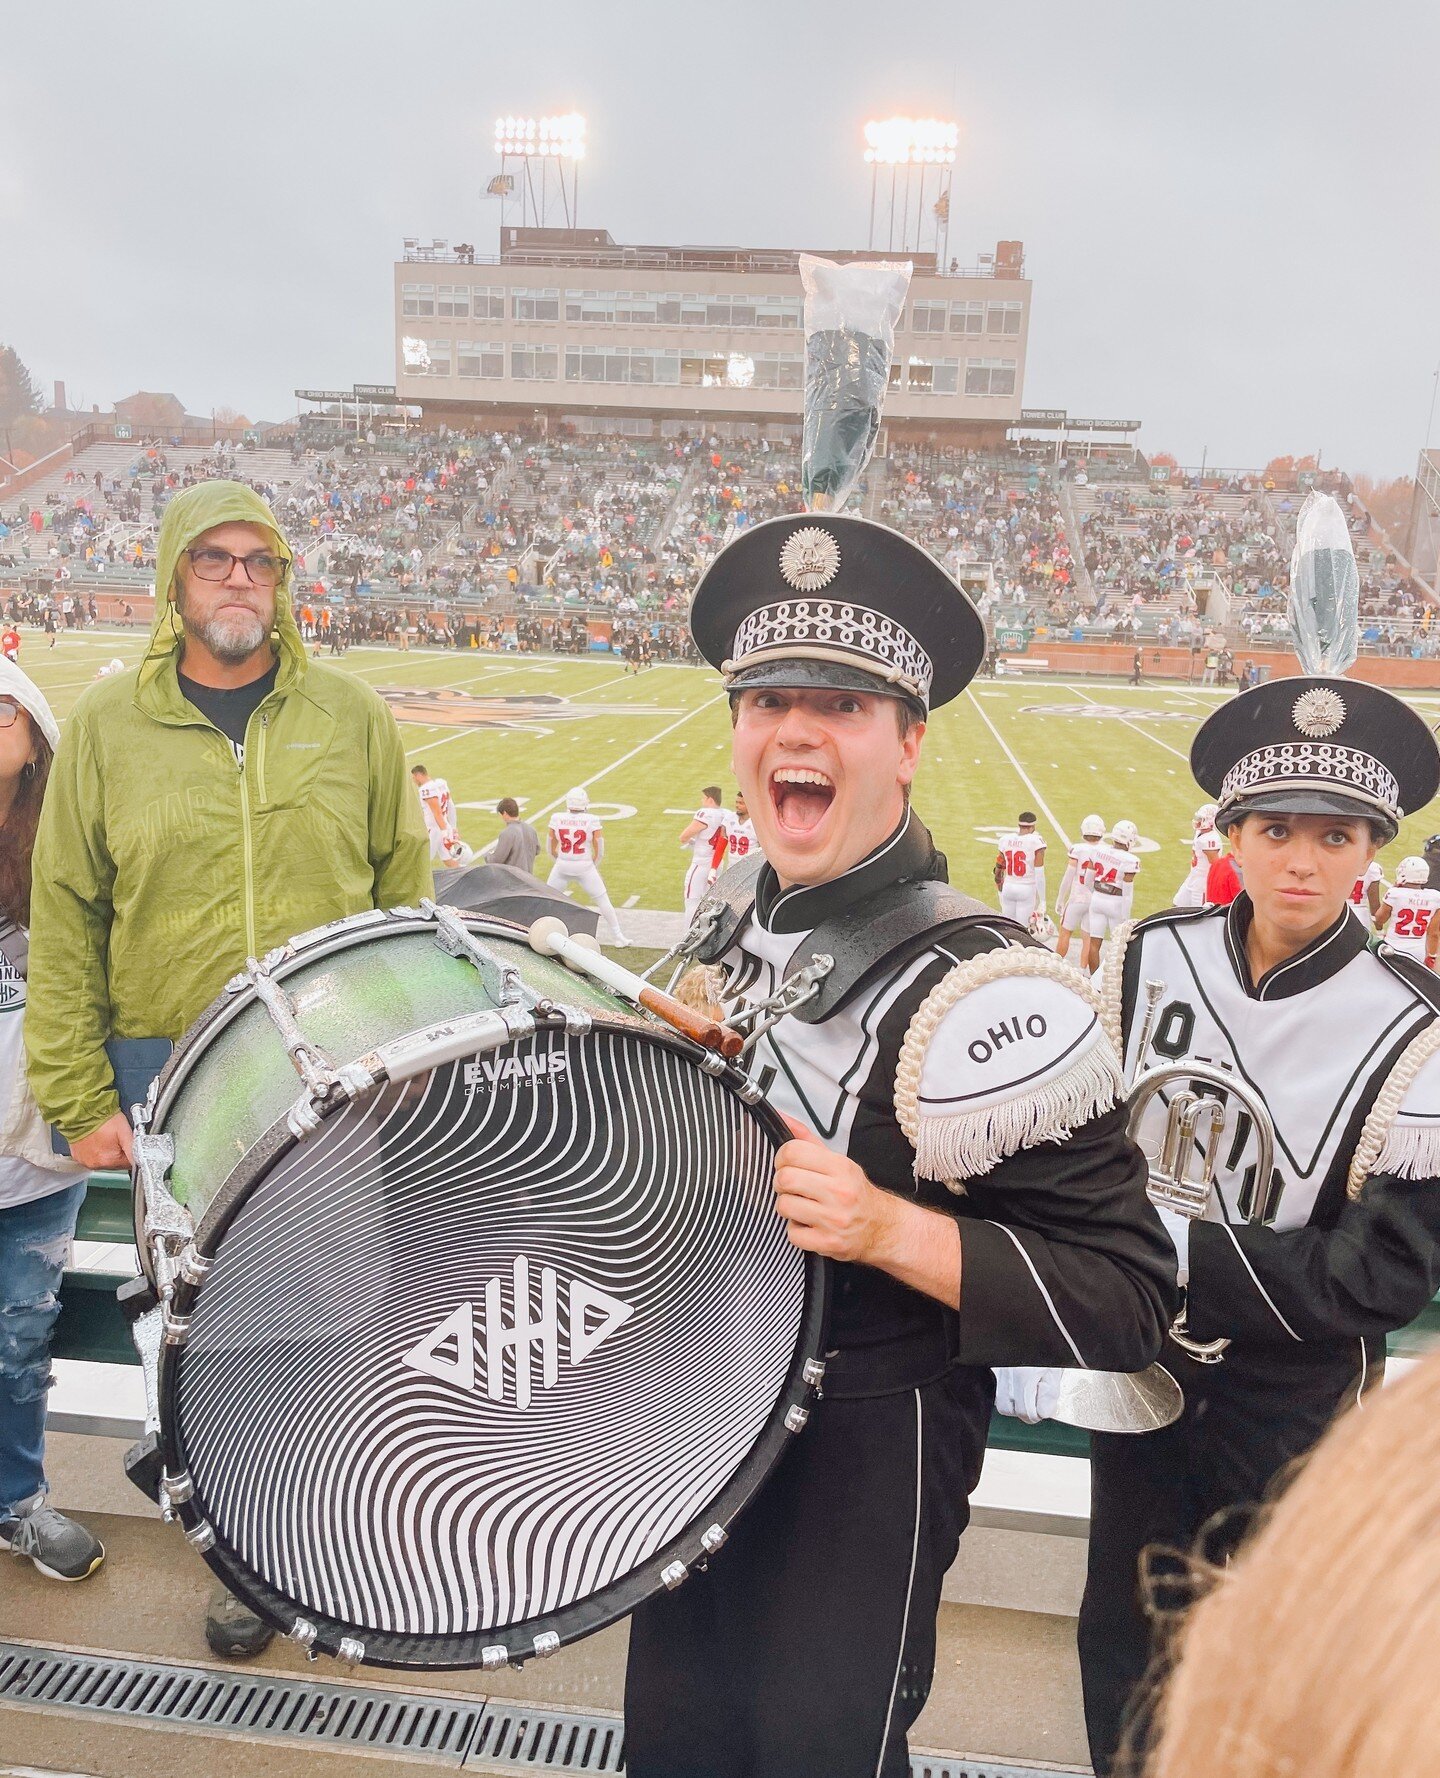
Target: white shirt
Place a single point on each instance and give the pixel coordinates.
(438, 805)
(21, 1181)
(713, 821)
(1017, 853)
(1115, 868)
(1411, 911)
(741, 835)
(575, 836)
(1360, 894)
(1083, 862)
(1205, 848)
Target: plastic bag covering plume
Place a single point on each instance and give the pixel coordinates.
(850, 317)
(1324, 589)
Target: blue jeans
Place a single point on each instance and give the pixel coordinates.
(34, 1246)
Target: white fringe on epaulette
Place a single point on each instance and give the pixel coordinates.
(960, 1146)
(1387, 1145)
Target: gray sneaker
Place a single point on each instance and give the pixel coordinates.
(61, 1548)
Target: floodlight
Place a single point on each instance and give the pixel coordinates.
(903, 141)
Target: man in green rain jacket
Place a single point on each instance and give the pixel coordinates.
(230, 795)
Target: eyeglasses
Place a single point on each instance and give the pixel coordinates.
(9, 710)
(261, 568)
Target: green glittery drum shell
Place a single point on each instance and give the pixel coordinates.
(230, 1079)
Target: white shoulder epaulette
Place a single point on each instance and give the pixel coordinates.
(1007, 1051)
(1402, 1132)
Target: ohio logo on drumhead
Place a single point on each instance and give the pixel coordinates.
(468, 1350)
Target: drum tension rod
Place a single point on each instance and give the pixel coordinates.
(321, 1077)
(502, 981)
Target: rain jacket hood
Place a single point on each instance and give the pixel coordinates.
(188, 516)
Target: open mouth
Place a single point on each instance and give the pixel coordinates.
(801, 797)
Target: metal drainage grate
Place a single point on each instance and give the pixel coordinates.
(412, 1725)
(440, 1731)
(956, 1765)
(548, 1740)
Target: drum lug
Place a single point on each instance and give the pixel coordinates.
(674, 1574)
(712, 1062)
(175, 1329)
(304, 1632)
(813, 1372)
(497, 1655)
(796, 1419)
(194, 1266)
(351, 1650)
(546, 1645)
(200, 1536)
(577, 1023)
(714, 1537)
(175, 1490)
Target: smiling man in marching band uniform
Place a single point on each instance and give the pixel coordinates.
(1339, 1042)
(959, 1152)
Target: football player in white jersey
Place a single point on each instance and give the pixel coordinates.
(704, 839)
(1020, 872)
(1073, 902)
(1406, 910)
(1205, 848)
(740, 833)
(1113, 888)
(1365, 896)
(577, 844)
(438, 806)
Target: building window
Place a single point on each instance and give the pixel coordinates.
(933, 376)
(589, 305)
(488, 303)
(473, 359)
(417, 299)
(638, 308)
(439, 351)
(453, 301)
(535, 305)
(621, 364)
(928, 317)
(990, 376)
(535, 364)
(779, 370)
(897, 376)
(1004, 317)
(778, 311)
(967, 317)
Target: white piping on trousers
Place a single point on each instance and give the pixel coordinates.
(910, 1584)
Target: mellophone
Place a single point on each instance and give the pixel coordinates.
(467, 1320)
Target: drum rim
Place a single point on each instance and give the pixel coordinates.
(230, 1002)
(464, 1651)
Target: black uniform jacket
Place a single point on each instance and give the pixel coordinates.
(1063, 1260)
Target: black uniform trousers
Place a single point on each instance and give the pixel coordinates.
(1245, 1422)
(808, 1646)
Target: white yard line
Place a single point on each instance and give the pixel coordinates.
(1025, 777)
(625, 758)
(1140, 731)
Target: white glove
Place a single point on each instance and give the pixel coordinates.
(1027, 1392)
(1178, 1229)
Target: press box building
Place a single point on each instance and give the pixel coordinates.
(565, 326)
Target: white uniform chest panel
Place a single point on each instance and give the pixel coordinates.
(1112, 865)
(1315, 1057)
(1019, 851)
(813, 1072)
(573, 834)
(704, 843)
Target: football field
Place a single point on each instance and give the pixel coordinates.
(643, 746)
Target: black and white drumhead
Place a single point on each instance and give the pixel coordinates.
(482, 1357)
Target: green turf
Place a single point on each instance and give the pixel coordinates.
(649, 742)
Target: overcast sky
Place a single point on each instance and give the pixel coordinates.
(1229, 210)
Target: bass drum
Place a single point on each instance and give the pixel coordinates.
(500, 1343)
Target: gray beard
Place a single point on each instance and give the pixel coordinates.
(231, 639)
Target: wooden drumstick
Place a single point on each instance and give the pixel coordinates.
(552, 938)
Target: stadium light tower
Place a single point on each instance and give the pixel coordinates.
(919, 145)
(557, 146)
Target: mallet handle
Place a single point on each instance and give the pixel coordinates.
(709, 1033)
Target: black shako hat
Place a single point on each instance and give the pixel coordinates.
(824, 599)
(1311, 746)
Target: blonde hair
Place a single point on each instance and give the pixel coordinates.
(701, 989)
(1315, 1654)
